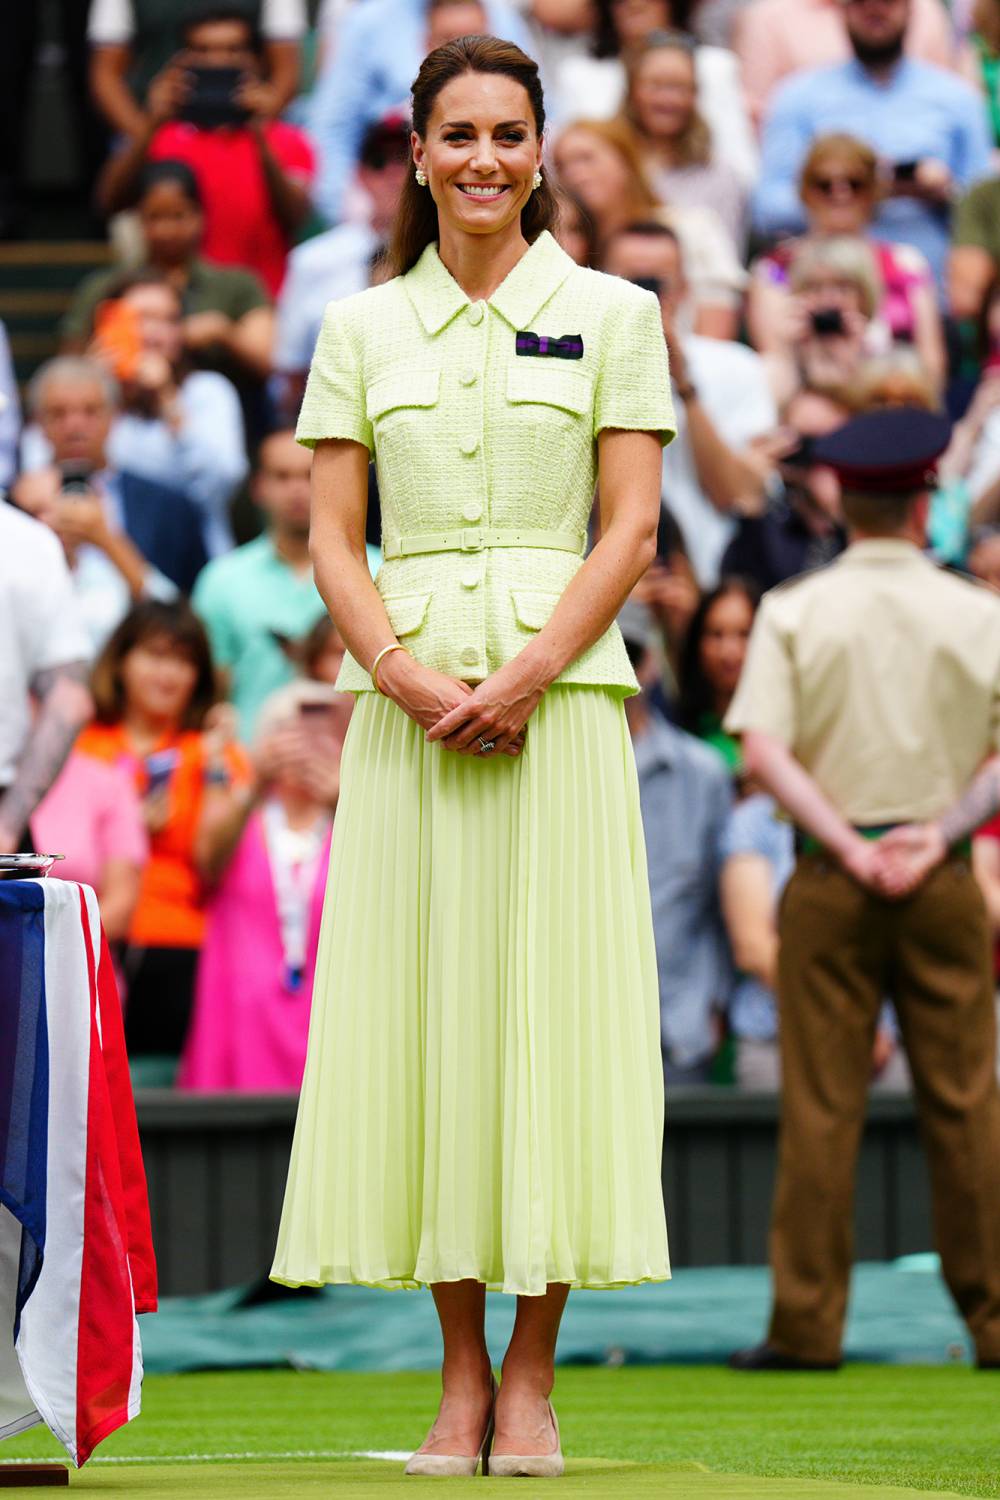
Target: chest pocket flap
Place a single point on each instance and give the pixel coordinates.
(548, 382)
(404, 388)
(533, 607)
(406, 611)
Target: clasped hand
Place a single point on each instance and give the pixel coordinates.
(496, 709)
(897, 864)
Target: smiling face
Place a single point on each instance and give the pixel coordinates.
(592, 169)
(480, 151)
(664, 93)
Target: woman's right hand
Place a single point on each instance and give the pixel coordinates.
(424, 694)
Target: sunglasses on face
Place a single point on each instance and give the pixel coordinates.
(829, 185)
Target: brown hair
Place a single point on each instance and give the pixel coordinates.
(879, 515)
(150, 619)
(693, 146)
(841, 147)
(416, 224)
(986, 22)
(640, 199)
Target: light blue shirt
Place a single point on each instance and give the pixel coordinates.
(755, 828)
(380, 46)
(919, 112)
(685, 796)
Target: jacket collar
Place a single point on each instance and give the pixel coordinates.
(524, 291)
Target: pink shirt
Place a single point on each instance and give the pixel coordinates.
(773, 38)
(91, 814)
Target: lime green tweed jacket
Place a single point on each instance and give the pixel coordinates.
(467, 433)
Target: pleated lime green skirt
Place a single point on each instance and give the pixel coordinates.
(483, 1090)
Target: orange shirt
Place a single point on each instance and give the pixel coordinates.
(170, 910)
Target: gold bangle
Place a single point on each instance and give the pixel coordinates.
(373, 674)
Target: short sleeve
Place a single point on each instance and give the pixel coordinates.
(334, 402)
(633, 382)
(975, 219)
(765, 698)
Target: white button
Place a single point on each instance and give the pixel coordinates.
(469, 444)
(476, 312)
(471, 580)
(470, 656)
(468, 376)
(472, 510)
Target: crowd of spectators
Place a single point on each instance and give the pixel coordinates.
(811, 187)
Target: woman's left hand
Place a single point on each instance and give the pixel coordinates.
(497, 709)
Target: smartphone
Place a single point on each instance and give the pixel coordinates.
(160, 767)
(826, 321)
(904, 171)
(313, 711)
(76, 477)
(119, 333)
(211, 98)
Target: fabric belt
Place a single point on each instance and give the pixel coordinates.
(806, 844)
(475, 538)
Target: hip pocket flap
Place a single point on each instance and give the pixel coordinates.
(405, 388)
(533, 607)
(406, 611)
(549, 384)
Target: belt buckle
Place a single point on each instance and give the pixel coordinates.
(472, 539)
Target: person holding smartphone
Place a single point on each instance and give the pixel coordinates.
(209, 108)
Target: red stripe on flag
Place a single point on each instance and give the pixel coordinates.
(104, 1347)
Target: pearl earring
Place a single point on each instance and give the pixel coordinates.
(536, 181)
(421, 177)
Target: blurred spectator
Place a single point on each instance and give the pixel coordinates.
(722, 403)
(715, 649)
(985, 48)
(10, 413)
(802, 526)
(597, 82)
(599, 162)
(132, 40)
(266, 860)
(974, 262)
(774, 38)
(125, 537)
(177, 426)
(43, 668)
(758, 858)
(983, 558)
(380, 46)
(662, 105)
(343, 260)
(264, 591)
(840, 189)
(685, 796)
(928, 125)
(154, 687)
(669, 591)
(254, 173)
(93, 815)
(575, 229)
(228, 320)
(827, 326)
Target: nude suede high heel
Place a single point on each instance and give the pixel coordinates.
(531, 1465)
(453, 1465)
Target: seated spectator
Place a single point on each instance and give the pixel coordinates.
(154, 687)
(974, 262)
(840, 189)
(343, 260)
(668, 590)
(264, 591)
(715, 649)
(132, 40)
(826, 326)
(776, 38)
(985, 54)
(253, 173)
(93, 815)
(983, 557)
(721, 398)
(126, 538)
(228, 320)
(177, 426)
(10, 413)
(758, 857)
(599, 163)
(575, 230)
(685, 795)
(598, 80)
(927, 125)
(662, 106)
(266, 861)
(380, 47)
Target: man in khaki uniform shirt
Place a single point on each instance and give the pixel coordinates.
(871, 699)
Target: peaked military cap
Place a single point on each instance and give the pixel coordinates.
(889, 452)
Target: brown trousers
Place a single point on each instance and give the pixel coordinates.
(842, 951)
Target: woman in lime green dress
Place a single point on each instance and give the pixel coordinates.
(482, 1106)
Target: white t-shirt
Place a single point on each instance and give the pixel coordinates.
(733, 389)
(41, 627)
(112, 22)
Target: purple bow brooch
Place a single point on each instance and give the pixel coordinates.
(570, 346)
